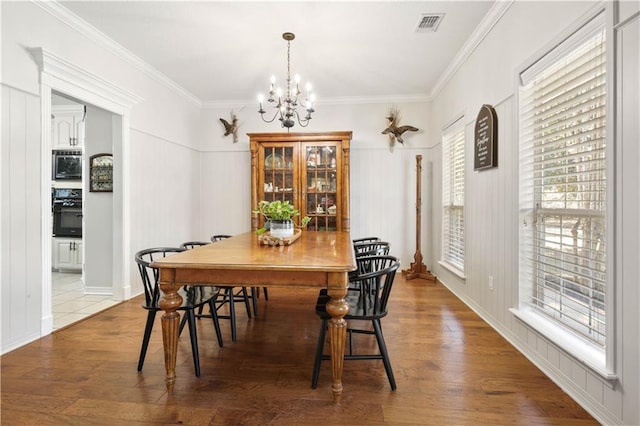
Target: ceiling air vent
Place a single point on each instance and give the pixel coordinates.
(428, 22)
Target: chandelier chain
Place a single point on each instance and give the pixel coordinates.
(286, 108)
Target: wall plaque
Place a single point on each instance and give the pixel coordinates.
(486, 139)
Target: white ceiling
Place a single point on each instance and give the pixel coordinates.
(226, 51)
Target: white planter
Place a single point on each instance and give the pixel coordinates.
(281, 228)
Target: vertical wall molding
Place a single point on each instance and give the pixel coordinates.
(65, 77)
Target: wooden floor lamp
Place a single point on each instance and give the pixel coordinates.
(418, 269)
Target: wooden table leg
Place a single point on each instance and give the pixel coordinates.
(337, 307)
(170, 324)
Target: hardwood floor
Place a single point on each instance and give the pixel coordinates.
(450, 366)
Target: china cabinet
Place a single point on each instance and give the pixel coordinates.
(67, 126)
(310, 170)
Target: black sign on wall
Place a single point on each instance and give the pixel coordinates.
(486, 139)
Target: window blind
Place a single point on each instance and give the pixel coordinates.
(563, 186)
(453, 195)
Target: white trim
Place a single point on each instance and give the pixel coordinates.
(103, 291)
(60, 75)
(351, 100)
(492, 17)
(613, 191)
(540, 54)
(601, 362)
(453, 269)
(46, 320)
(92, 88)
(559, 50)
(92, 33)
(582, 351)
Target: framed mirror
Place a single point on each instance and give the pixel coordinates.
(101, 173)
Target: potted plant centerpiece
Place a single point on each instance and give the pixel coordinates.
(279, 218)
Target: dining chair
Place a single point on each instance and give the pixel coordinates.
(228, 296)
(365, 240)
(255, 292)
(371, 248)
(368, 304)
(192, 297)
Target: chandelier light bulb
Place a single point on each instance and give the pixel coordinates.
(286, 108)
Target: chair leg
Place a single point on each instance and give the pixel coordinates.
(216, 321)
(191, 318)
(255, 293)
(183, 322)
(383, 351)
(151, 316)
(319, 349)
(266, 293)
(245, 298)
(232, 313)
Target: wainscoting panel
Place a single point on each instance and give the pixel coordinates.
(20, 218)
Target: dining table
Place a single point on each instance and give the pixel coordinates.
(315, 259)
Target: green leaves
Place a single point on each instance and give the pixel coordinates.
(279, 210)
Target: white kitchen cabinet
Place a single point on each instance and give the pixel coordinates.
(67, 126)
(67, 253)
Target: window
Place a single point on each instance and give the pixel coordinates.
(453, 196)
(563, 248)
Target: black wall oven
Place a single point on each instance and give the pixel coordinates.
(67, 212)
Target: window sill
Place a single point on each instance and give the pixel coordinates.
(582, 351)
(454, 270)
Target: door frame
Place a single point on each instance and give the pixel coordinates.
(56, 74)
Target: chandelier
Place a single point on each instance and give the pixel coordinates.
(286, 104)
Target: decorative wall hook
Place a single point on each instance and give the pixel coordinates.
(231, 128)
(393, 129)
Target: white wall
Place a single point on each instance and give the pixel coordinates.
(187, 181)
(163, 164)
(489, 77)
(98, 207)
(383, 179)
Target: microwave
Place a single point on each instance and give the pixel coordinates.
(67, 165)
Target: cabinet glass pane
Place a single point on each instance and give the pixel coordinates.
(278, 174)
(321, 178)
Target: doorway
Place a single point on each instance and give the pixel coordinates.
(82, 263)
(61, 77)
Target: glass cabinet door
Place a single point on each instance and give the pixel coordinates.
(320, 180)
(309, 170)
(278, 174)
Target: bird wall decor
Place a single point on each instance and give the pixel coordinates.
(394, 130)
(231, 128)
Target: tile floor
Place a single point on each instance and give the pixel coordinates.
(70, 304)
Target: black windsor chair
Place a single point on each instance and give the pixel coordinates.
(227, 294)
(369, 303)
(255, 292)
(192, 297)
(365, 240)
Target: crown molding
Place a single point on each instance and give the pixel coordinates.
(67, 17)
(92, 33)
(486, 25)
(69, 75)
(347, 100)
